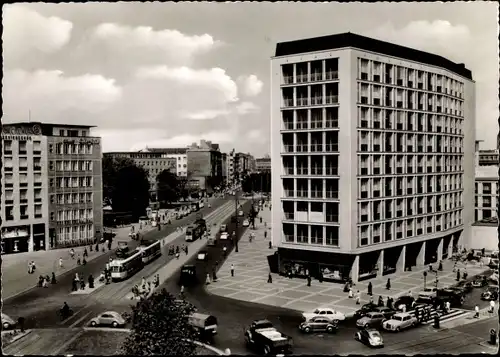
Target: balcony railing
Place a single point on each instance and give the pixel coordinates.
(289, 216)
(289, 193)
(288, 102)
(332, 123)
(332, 194)
(288, 170)
(302, 78)
(332, 218)
(288, 79)
(302, 101)
(331, 148)
(316, 194)
(7, 152)
(316, 147)
(302, 148)
(302, 170)
(332, 99)
(316, 170)
(288, 148)
(331, 171)
(302, 193)
(316, 100)
(331, 75)
(316, 76)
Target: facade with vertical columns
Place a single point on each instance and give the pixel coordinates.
(372, 156)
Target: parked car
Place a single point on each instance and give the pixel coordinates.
(465, 285)
(109, 318)
(327, 312)
(494, 277)
(400, 321)
(371, 319)
(7, 322)
(202, 255)
(427, 293)
(224, 236)
(386, 311)
(404, 300)
(490, 294)
(454, 296)
(318, 324)
(370, 337)
(240, 213)
(246, 223)
(364, 310)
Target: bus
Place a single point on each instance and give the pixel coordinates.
(122, 269)
(196, 230)
(198, 205)
(150, 252)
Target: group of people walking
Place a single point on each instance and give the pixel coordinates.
(145, 288)
(79, 282)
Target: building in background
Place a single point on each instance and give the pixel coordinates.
(51, 186)
(231, 167)
(224, 169)
(488, 157)
(263, 164)
(486, 190)
(179, 154)
(205, 166)
(153, 162)
(373, 155)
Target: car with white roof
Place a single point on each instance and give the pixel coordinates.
(224, 236)
(246, 223)
(400, 321)
(427, 294)
(108, 318)
(328, 312)
(7, 322)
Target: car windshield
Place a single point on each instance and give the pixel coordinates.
(427, 289)
(370, 316)
(374, 334)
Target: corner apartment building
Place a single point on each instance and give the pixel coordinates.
(51, 186)
(486, 192)
(205, 166)
(179, 154)
(263, 164)
(373, 145)
(489, 157)
(153, 162)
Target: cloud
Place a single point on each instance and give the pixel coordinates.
(252, 85)
(256, 135)
(51, 94)
(244, 108)
(26, 30)
(215, 78)
(206, 114)
(148, 46)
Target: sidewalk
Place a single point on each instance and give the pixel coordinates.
(15, 277)
(251, 272)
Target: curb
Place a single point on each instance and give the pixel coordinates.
(18, 337)
(208, 347)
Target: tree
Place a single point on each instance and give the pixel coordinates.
(167, 186)
(160, 327)
(125, 185)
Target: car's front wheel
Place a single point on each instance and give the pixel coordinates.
(6, 325)
(93, 323)
(307, 329)
(329, 329)
(114, 324)
(356, 336)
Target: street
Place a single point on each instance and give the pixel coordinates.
(233, 315)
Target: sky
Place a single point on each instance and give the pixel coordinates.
(170, 74)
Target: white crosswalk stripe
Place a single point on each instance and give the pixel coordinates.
(454, 313)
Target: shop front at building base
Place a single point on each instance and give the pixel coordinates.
(323, 266)
(16, 239)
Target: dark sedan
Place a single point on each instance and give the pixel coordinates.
(366, 308)
(386, 311)
(369, 337)
(465, 285)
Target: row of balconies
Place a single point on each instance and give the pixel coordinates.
(304, 193)
(416, 149)
(8, 152)
(364, 171)
(313, 77)
(304, 101)
(400, 213)
(22, 184)
(411, 106)
(22, 168)
(418, 84)
(74, 221)
(304, 148)
(390, 124)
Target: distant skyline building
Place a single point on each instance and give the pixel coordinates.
(372, 157)
(51, 186)
(263, 164)
(204, 162)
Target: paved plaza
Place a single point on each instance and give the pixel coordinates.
(251, 273)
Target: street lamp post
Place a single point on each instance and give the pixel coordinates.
(425, 279)
(236, 217)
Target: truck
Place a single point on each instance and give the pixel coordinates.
(262, 336)
(196, 230)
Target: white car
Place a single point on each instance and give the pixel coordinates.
(428, 293)
(224, 236)
(7, 322)
(399, 321)
(240, 213)
(329, 313)
(110, 318)
(246, 223)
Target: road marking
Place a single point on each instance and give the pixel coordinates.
(67, 343)
(80, 319)
(108, 329)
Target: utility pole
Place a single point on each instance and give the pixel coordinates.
(236, 216)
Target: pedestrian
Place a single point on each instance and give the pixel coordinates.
(85, 253)
(428, 313)
(182, 289)
(380, 301)
(90, 247)
(45, 282)
(388, 285)
(177, 255)
(269, 278)
(492, 307)
(350, 293)
(29, 267)
(308, 280)
(440, 267)
(232, 269)
(371, 300)
(33, 266)
(78, 261)
(72, 253)
(346, 287)
(77, 278)
(465, 275)
(82, 284)
(54, 281)
(74, 285)
(389, 302)
(84, 261)
(447, 306)
(370, 288)
(455, 266)
(207, 280)
(97, 247)
(91, 281)
(224, 251)
(265, 234)
(476, 310)
(186, 250)
(458, 275)
(404, 308)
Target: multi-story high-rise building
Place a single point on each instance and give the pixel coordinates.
(263, 164)
(372, 155)
(224, 168)
(486, 190)
(154, 162)
(51, 186)
(205, 166)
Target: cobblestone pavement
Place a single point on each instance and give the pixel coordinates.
(251, 274)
